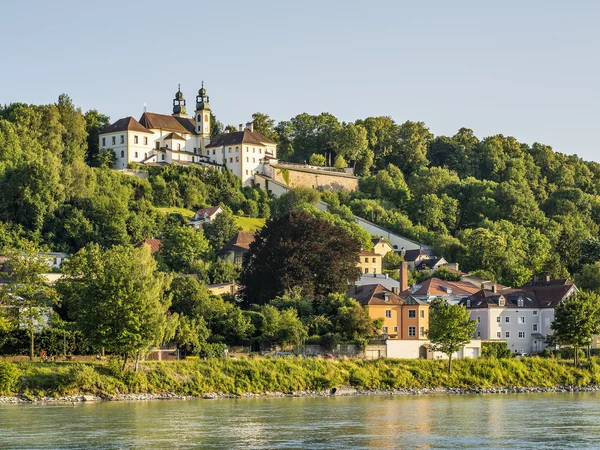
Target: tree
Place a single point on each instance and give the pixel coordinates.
(450, 328)
(340, 162)
(117, 298)
(264, 124)
(351, 142)
(27, 293)
(182, 247)
(221, 229)
(316, 160)
(588, 277)
(576, 320)
(94, 123)
(281, 327)
(297, 250)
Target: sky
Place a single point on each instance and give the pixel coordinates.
(528, 69)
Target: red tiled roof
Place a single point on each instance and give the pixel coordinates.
(210, 211)
(124, 124)
(154, 121)
(240, 242)
(363, 253)
(436, 286)
(240, 137)
(374, 294)
(153, 243)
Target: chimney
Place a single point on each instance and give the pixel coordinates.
(241, 127)
(547, 278)
(494, 288)
(250, 126)
(403, 276)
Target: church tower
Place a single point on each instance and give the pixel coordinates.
(203, 117)
(179, 103)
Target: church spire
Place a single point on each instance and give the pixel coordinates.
(179, 103)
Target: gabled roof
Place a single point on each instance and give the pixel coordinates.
(385, 281)
(413, 255)
(380, 240)
(240, 137)
(548, 296)
(364, 253)
(154, 121)
(153, 243)
(124, 124)
(239, 243)
(374, 294)
(210, 211)
(429, 263)
(174, 136)
(410, 300)
(437, 287)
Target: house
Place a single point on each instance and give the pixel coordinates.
(204, 215)
(370, 262)
(378, 278)
(154, 244)
(432, 288)
(160, 139)
(235, 249)
(414, 256)
(223, 288)
(521, 316)
(403, 318)
(381, 246)
(430, 264)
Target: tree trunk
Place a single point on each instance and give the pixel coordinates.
(125, 357)
(137, 361)
(450, 364)
(32, 338)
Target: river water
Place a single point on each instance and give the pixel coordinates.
(435, 421)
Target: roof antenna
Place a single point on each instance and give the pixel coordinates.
(145, 107)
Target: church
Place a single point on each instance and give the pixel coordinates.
(157, 139)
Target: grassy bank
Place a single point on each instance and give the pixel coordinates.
(258, 376)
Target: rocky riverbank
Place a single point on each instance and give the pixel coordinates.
(342, 391)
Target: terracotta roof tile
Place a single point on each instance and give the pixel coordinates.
(240, 242)
(124, 124)
(153, 243)
(374, 294)
(154, 121)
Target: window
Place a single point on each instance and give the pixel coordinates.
(395, 329)
(468, 303)
(388, 313)
(373, 260)
(199, 128)
(253, 160)
(145, 155)
(136, 154)
(253, 150)
(195, 150)
(122, 139)
(122, 154)
(384, 329)
(501, 302)
(230, 160)
(422, 314)
(507, 319)
(498, 319)
(366, 268)
(229, 149)
(193, 160)
(103, 142)
(260, 151)
(135, 139)
(114, 140)
(366, 260)
(521, 320)
(507, 334)
(478, 335)
(535, 313)
(478, 319)
(247, 174)
(214, 151)
(499, 334)
(521, 335)
(162, 157)
(520, 302)
(534, 327)
(412, 331)
(247, 159)
(237, 258)
(145, 140)
(178, 146)
(246, 149)
(237, 149)
(157, 145)
(422, 331)
(237, 159)
(374, 270)
(206, 117)
(412, 313)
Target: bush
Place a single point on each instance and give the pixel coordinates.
(316, 160)
(495, 350)
(9, 378)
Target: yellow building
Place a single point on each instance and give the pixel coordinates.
(402, 318)
(381, 246)
(369, 262)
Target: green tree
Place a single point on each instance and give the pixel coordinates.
(117, 298)
(340, 162)
(297, 250)
(221, 229)
(182, 247)
(265, 125)
(94, 123)
(576, 320)
(281, 327)
(27, 293)
(316, 160)
(351, 142)
(450, 328)
(588, 277)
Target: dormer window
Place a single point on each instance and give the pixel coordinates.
(386, 297)
(501, 301)
(468, 303)
(520, 302)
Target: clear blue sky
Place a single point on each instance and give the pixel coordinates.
(524, 68)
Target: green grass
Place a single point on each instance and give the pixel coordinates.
(250, 223)
(186, 213)
(260, 375)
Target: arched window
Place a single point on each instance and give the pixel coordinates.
(136, 154)
(163, 157)
(206, 117)
(122, 154)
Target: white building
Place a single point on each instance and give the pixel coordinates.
(521, 317)
(178, 139)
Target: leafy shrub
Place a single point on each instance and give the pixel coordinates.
(495, 350)
(9, 378)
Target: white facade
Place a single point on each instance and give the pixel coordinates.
(414, 349)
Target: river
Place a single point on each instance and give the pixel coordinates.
(435, 421)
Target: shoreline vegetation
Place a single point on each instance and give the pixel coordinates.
(289, 377)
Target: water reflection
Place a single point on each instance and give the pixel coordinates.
(435, 421)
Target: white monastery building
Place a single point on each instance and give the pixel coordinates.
(157, 139)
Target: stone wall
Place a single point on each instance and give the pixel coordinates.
(293, 176)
